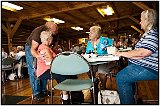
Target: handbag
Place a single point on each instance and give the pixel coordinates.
(12, 76)
(108, 97)
(77, 97)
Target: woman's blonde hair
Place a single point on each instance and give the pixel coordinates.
(96, 29)
(150, 16)
(45, 35)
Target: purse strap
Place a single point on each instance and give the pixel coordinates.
(101, 96)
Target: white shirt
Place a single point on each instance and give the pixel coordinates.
(4, 55)
(19, 55)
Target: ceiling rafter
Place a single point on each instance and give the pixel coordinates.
(89, 3)
(55, 8)
(69, 4)
(38, 10)
(79, 20)
(84, 14)
(105, 29)
(141, 5)
(114, 8)
(107, 20)
(76, 19)
(116, 12)
(134, 19)
(62, 10)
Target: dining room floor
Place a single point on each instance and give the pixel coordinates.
(21, 90)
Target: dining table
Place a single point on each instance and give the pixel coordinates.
(95, 60)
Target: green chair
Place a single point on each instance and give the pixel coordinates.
(69, 63)
(22, 62)
(7, 64)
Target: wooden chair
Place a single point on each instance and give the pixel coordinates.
(139, 100)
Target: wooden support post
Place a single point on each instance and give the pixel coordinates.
(10, 32)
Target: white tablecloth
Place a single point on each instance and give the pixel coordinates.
(100, 59)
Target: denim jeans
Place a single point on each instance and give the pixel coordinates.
(59, 78)
(36, 86)
(126, 79)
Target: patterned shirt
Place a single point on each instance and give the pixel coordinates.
(101, 46)
(148, 41)
(41, 65)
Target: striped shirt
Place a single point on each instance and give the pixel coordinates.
(149, 41)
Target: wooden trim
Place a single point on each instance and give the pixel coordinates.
(134, 19)
(99, 21)
(4, 28)
(15, 27)
(63, 10)
(141, 5)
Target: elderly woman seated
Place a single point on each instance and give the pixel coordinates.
(18, 63)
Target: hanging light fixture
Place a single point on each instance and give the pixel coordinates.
(105, 10)
(10, 6)
(77, 28)
(57, 21)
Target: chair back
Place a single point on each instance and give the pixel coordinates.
(22, 61)
(69, 63)
(7, 61)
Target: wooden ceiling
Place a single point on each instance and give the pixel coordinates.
(83, 14)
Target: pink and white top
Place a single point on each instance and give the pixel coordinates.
(42, 63)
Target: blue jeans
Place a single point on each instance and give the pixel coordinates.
(36, 86)
(126, 79)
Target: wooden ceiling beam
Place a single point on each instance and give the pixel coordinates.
(84, 14)
(4, 28)
(114, 8)
(12, 19)
(75, 19)
(134, 19)
(141, 5)
(55, 8)
(89, 3)
(106, 29)
(100, 21)
(30, 9)
(69, 4)
(63, 10)
(116, 12)
(15, 27)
